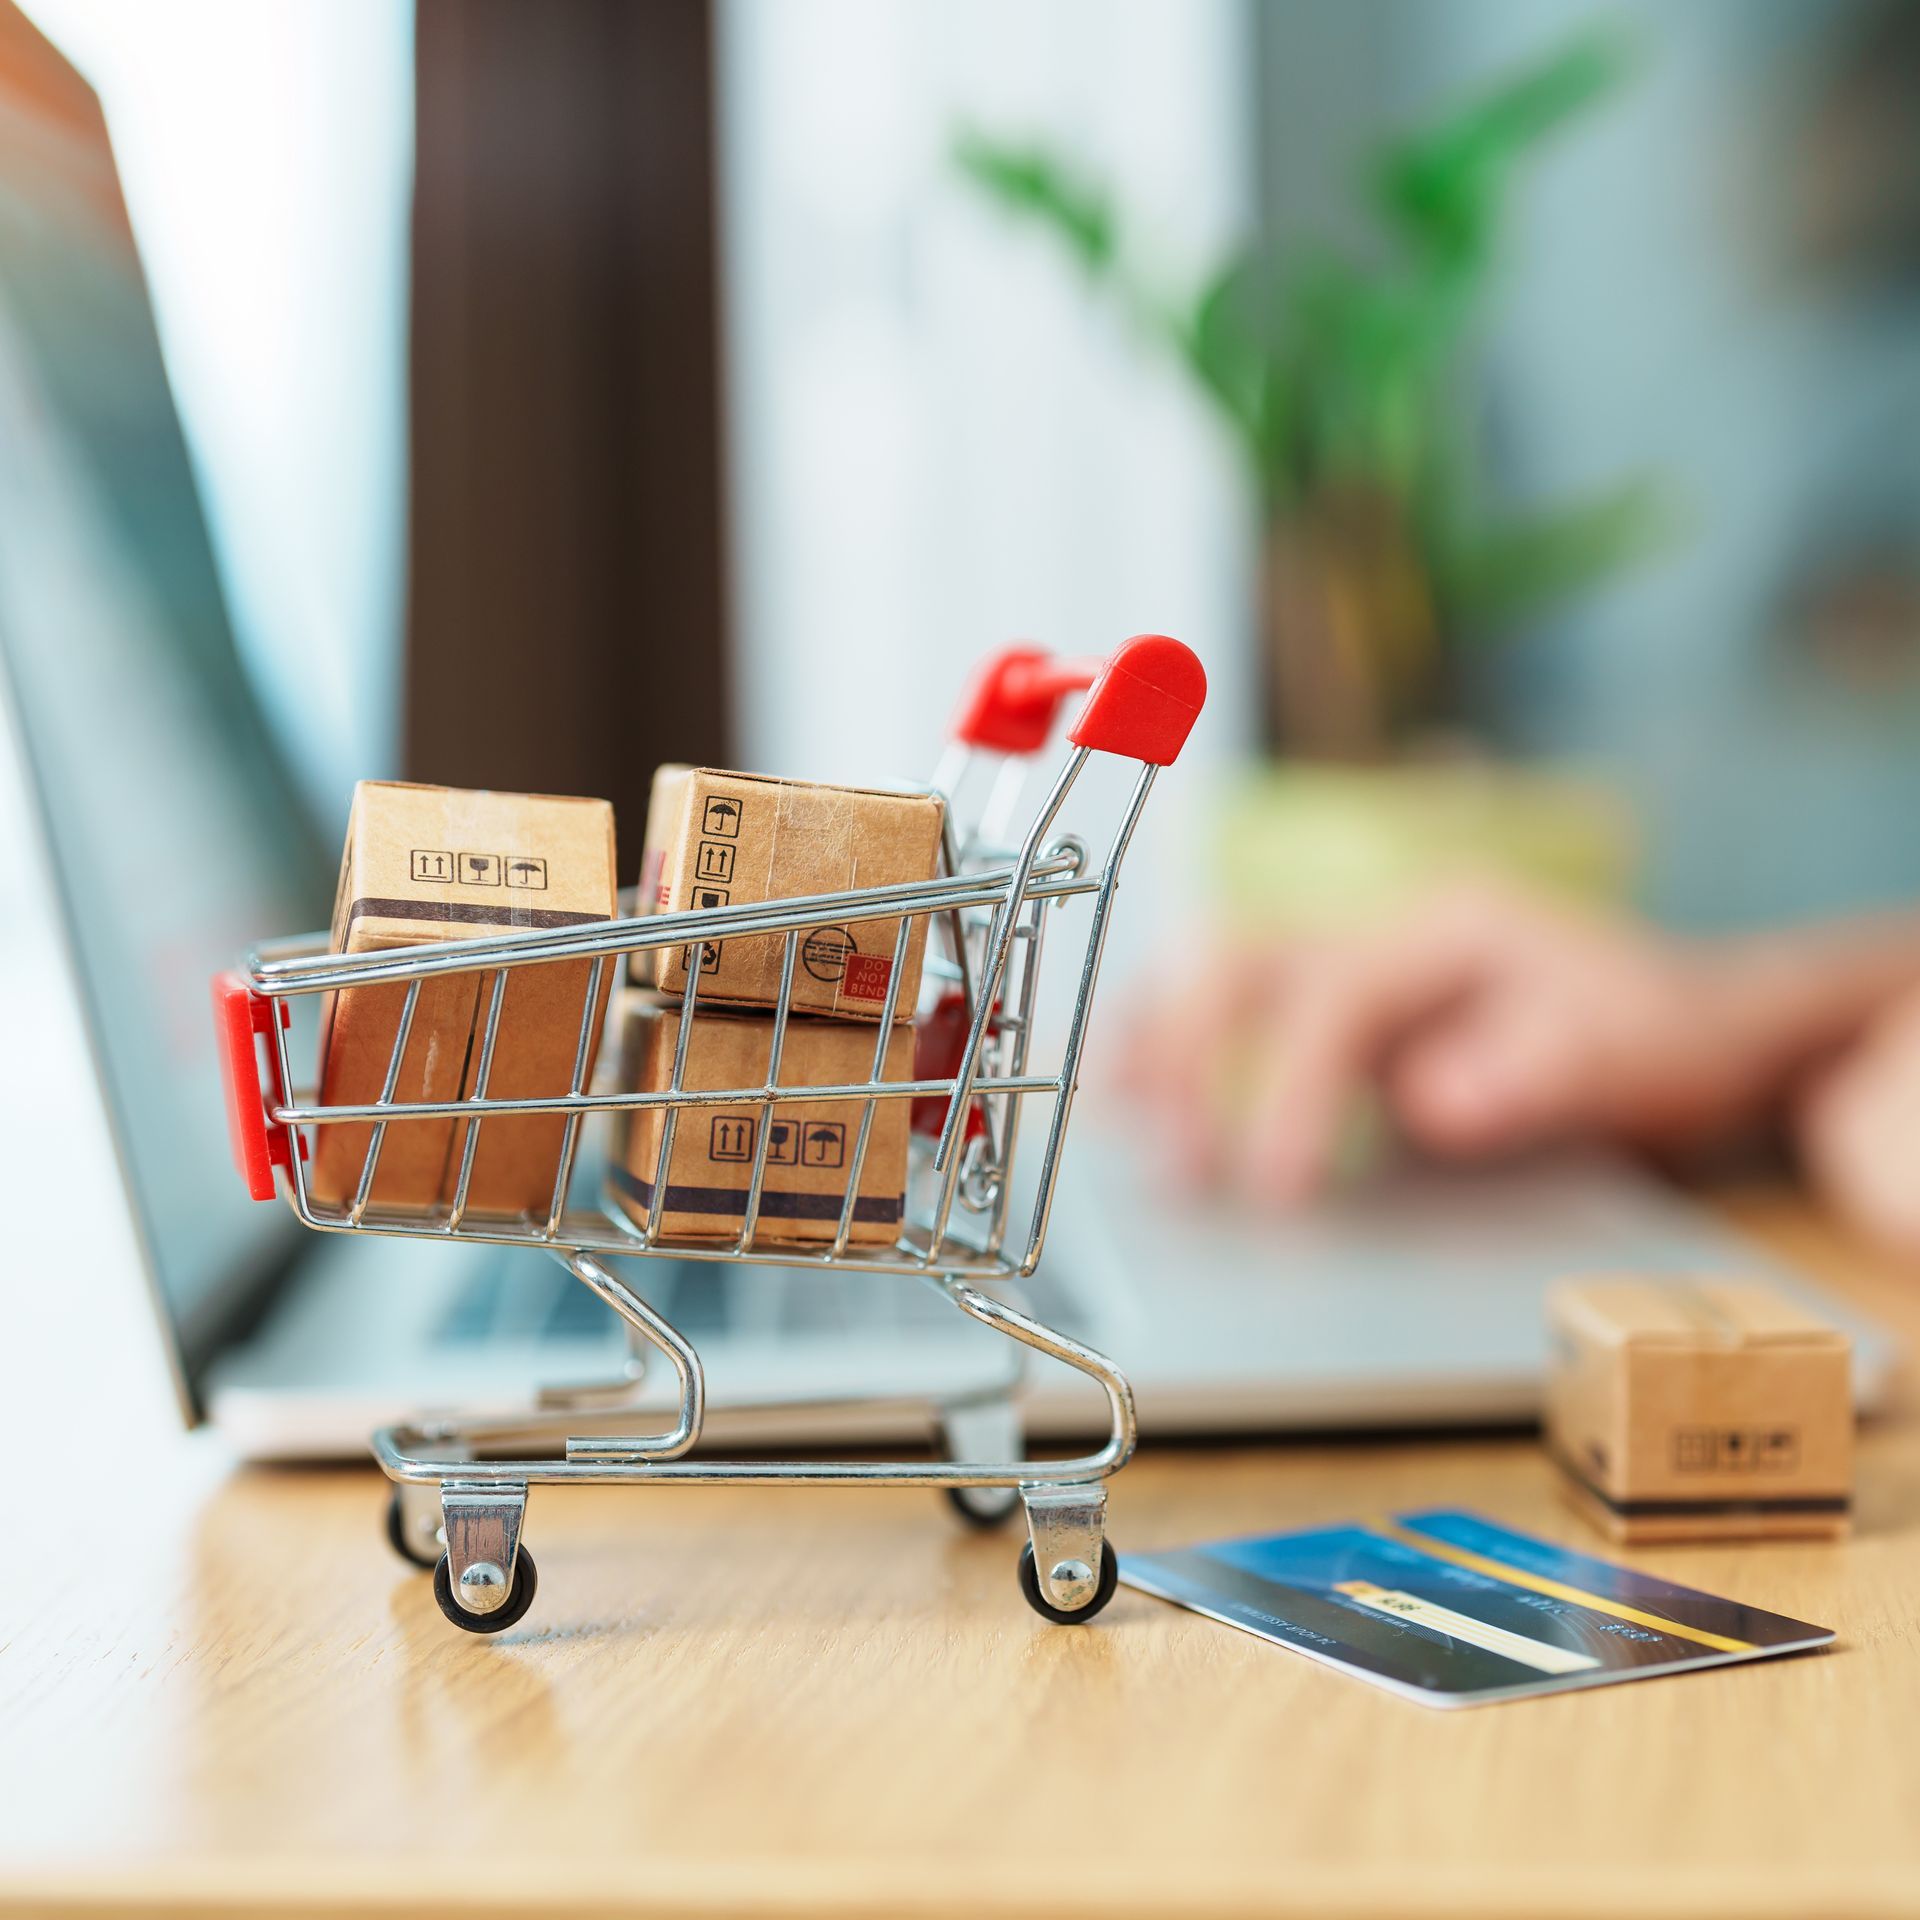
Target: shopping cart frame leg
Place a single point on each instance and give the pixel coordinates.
(485, 1583)
(639, 1462)
(454, 1438)
(644, 1323)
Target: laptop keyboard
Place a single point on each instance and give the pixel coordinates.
(519, 1300)
(523, 1300)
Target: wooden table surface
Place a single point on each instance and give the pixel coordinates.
(219, 1693)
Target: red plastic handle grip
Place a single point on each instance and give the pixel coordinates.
(1145, 702)
(1011, 702)
(240, 1017)
(1145, 698)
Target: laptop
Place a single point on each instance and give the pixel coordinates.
(173, 838)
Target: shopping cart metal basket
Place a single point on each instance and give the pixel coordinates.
(461, 1485)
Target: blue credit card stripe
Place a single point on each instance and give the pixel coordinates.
(1436, 1620)
(1319, 1560)
(1679, 1609)
(1356, 1636)
(1576, 1596)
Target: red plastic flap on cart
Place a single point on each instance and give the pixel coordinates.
(1010, 704)
(1145, 702)
(939, 1045)
(240, 1016)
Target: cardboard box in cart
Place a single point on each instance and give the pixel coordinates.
(737, 839)
(811, 1145)
(664, 801)
(427, 864)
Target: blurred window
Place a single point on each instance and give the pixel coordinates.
(266, 152)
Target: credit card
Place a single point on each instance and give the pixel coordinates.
(1454, 1610)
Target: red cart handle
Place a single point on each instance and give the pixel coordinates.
(240, 1017)
(1145, 698)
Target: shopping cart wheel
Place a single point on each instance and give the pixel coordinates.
(985, 1427)
(984, 1507)
(526, 1581)
(1102, 1592)
(421, 1547)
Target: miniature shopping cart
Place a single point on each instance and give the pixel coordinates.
(460, 1494)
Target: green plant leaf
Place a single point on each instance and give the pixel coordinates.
(1442, 188)
(1367, 355)
(1341, 380)
(1226, 340)
(1033, 182)
(1494, 578)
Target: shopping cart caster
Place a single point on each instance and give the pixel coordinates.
(519, 1593)
(1103, 1588)
(413, 1525)
(485, 1580)
(1067, 1542)
(984, 1507)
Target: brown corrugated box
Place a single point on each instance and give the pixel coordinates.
(811, 1148)
(737, 839)
(1688, 1409)
(426, 864)
(665, 800)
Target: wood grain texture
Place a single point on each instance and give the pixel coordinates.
(220, 1694)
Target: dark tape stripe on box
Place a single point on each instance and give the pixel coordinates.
(534, 919)
(1733, 1506)
(731, 1202)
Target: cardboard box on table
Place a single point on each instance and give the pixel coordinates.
(737, 839)
(1682, 1409)
(810, 1150)
(427, 864)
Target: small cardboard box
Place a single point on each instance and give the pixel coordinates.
(426, 864)
(810, 1147)
(666, 801)
(1699, 1409)
(743, 838)
(666, 807)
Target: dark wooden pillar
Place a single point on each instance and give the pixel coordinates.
(566, 593)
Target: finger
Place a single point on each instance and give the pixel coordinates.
(1502, 1074)
(1859, 1129)
(1343, 1015)
(1182, 1047)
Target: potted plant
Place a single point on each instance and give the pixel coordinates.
(1345, 385)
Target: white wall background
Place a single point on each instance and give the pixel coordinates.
(939, 441)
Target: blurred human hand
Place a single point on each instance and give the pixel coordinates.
(1858, 1126)
(1490, 1021)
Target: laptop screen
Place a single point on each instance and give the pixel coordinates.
(175, 834)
